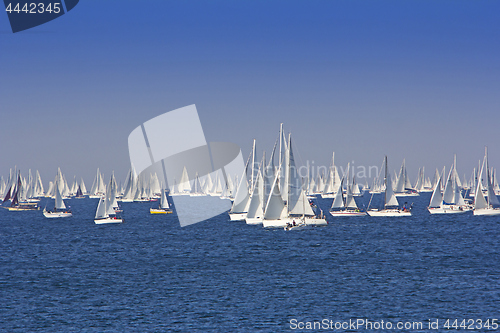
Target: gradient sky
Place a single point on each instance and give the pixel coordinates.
(411, 79)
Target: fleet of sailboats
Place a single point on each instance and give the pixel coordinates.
(273, 195)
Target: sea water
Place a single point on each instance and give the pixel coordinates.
(150, 275)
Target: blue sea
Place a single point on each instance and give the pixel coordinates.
(150, 275)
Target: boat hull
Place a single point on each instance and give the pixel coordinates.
(287, 221)
(347, 213)
(254, 221)
(160, 211)
(108, 220)
(487, 212)
(237, 216)
(448, 210)
(52, 215)
(389, 213)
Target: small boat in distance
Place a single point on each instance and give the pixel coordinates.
(59, 207)
(19, 202)
(163, 208)
(490, 205)
(345, 206)
(391, 204)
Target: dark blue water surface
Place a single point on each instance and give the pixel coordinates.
(151, 275)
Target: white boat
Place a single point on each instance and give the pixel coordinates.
(17, 194)
(59, 207)
(333, 181)
(105, 212)
(130, 186)
(197, 189)
(451, 200)
(490, 205)
(391, 204)
(289, 204)
(164, 207)
(403, 186)
(102, 215)
(98, 188)
(345, 206)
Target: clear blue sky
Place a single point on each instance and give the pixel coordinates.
(411, 79)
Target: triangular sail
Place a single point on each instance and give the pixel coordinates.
(59, 200)
(449, 195)
(101, 209)
(349, 200)
(256, 208)
(480, 201)
(390, 197)
(163, 200)
(184, 185)
(275, 207)
(437, 197)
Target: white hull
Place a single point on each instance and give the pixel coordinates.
(328, 196)
(254, 221)
(237, 216)
(347, 213)
(389, 213)
(51, 215)
(283, 222)
(449, 210)
(108, 220)
(487, 211)
(316, 221)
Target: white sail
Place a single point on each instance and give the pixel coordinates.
(256, 207)
(184, 184)
(82, 186)
(437, 197)
(338, 202)
(349, 201)
(163, 200)
(197, 188)
(101, 211)
(242, 197)
(400, 184)
(275, 207)
(480, 201)
(302, 206)
(449, 195)
(390, 197)
(59, 204)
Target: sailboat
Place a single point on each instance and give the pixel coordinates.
(451, 201)
(59, 207)
(98, 188)
(345, 206)
(102, 214)
(197, 189)
(241, 202)
(289, 204)
(164, 207)
(332, 183)
(391, 204)
(18, 197)
(403, 185)
(489, 205)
